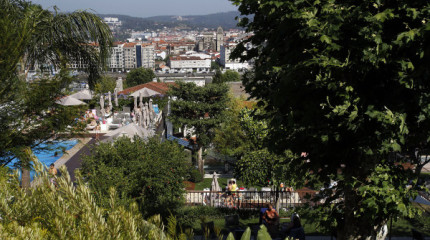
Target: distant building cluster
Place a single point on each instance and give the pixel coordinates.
(113, 23)
(173, 50)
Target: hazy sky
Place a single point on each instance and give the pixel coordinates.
(142, 8)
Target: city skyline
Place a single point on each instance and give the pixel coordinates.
(138, 8)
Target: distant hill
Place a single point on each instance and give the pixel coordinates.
(226, 20)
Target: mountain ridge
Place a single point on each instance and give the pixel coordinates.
(224, 19)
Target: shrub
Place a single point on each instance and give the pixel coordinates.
(195, 176)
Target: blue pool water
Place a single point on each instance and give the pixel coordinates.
(50, 152)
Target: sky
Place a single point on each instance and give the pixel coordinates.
(142, 8)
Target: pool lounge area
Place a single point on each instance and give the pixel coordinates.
(50, 152)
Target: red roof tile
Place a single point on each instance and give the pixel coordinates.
(156, 86)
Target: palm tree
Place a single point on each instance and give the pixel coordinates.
(33, 36)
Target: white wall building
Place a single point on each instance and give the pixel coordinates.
(189, 63)
(116, 60)
(227, 63)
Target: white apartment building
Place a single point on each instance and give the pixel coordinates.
(227, 63)
(116, 60)
(129, 55)
(189, 63)
(148, 56)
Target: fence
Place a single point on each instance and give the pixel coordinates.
(250, 199)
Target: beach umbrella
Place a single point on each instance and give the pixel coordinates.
(215, 185)
(151, 109)
(110, 101)
(143, 117)
(115, 92)
(102, 102)
(85, 94)
(129, 131)
(148, 119)
(140, 100)
(146, 92)
(69, 101)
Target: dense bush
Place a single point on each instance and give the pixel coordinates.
(195, 176)
(187, 216)
(66, 211)
(149, 172)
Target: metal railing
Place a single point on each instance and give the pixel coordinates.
(249, 199)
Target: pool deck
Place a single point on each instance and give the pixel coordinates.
(72, 159)
(71, 152)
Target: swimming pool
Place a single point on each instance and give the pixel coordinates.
(50, 152)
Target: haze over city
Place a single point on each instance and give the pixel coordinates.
(138, 8)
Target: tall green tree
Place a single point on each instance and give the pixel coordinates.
(200, 109)
(347, 83)
(35, 37)
(139, 76)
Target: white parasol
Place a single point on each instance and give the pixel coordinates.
(110, 101)
(115, 92)
(69, 101)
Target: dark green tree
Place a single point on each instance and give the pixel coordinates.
(149, 172)
(228, 76)
(200, 109)
(231, 76)
(347, 83)
(139, 76)
(34, 37)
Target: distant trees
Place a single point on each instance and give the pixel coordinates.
(105, 84)
(148, 172)
(139, 76)
(200, 109)
(228, 76)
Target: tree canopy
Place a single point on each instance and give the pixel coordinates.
(149, 172)
(346, 82)
(200, 109)
(228, 76)
(139, 76)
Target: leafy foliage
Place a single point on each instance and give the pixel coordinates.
(59, 212)
(139, 76)
(347, 83)
(201, 108)
(241, 130)
(228, 76)
(105, 84)
(150, 173)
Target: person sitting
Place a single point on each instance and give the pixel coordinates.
(295, 229)
(271, 220)
(52, 174)
(90, 115)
